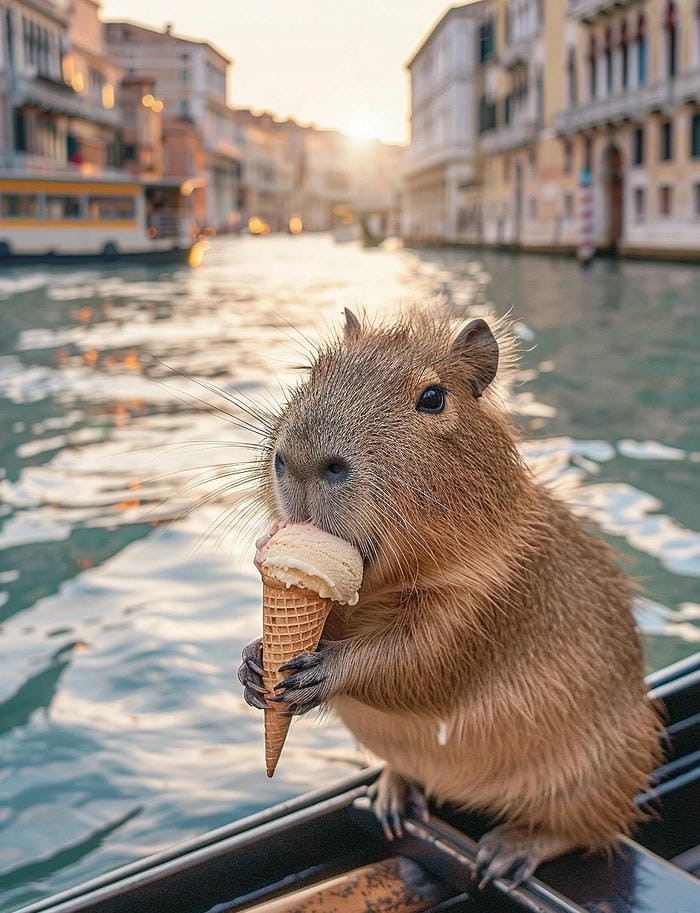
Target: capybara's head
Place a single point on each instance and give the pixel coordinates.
(393, 441)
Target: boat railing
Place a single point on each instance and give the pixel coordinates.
(164, 223)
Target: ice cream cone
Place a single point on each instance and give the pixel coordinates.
(293, 620)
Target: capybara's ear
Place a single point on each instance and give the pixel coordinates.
(476, 346)
(353, 327)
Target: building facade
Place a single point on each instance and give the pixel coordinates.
(58, 95)
(94, 136)
(587, 129)
(191, 78)
(443, 158)
(319, 176)
(631, 118)
(270, 168)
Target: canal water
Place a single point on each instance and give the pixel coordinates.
(126, 585)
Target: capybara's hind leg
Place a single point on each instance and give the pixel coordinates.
(513, 853)
(393, 797)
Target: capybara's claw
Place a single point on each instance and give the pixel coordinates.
(303, 661)
(393, 798)
(250, 675)
(307, 686)
(504, 853)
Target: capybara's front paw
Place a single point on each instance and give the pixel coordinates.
(309, 685)
(250, 675)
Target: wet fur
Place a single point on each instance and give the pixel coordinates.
(486, 606)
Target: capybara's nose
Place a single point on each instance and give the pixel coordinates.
(335, 470)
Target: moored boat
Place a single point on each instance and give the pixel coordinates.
(325, 852)
(77, 217)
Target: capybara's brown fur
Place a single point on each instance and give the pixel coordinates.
(492, 658)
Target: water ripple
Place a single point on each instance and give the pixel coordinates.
(124, 607)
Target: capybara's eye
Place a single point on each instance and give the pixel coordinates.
(279, 466)
(432, 399)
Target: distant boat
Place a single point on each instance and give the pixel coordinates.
(370, 236)
(74, 218)
(345, 232)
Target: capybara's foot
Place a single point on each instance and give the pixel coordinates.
(512, 854)
(250, 673)
(393, 797)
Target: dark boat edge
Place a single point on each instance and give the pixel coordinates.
(636, 878)
(175, 254)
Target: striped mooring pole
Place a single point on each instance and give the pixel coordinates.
(586, 248)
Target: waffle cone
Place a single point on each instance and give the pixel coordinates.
(293, 620)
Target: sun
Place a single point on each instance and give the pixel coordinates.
(361, 127)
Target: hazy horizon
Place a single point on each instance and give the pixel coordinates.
(340, 69)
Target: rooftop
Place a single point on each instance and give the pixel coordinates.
(165, 34)
(452, 11)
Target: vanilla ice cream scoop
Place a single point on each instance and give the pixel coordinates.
(301, 555)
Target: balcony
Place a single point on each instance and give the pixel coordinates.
(518, 52)
(587, 10)
(634, 105)
(521, 133)
(686, 87)
(26, 163)
(417, 159)
(61, 98)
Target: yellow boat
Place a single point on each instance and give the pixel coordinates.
(73, 218)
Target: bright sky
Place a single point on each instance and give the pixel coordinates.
(337, 63)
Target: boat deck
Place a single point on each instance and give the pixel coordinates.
(325, 852)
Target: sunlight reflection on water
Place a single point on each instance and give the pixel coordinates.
(122, 728)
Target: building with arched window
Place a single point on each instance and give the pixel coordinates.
(642, 126)
(586, 121)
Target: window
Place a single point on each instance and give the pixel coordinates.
(487, 115)
(696, 194)
(568, 156)
(111, 208)
(695, 136)
(486, 41)
(569, 206)
(638, 146)
(624, 56)
(19, 206)
(665, 200)
(608, 62)
(532, 207)
(671, 39)
(639, 204)
(593, 68)
(572, 86)
(62, 207)
(184, 76)
(507, 109)
(666, 135)
(641, 51)
(129, 153)
(588, 154)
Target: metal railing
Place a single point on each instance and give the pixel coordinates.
(631, 105)
(62, 99)
(520, 133)
(588, 9)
